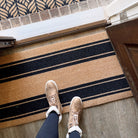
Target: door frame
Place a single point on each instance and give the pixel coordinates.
(121, 36)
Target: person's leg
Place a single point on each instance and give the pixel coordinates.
(74, 130)
(54, 114)
(49, 128)
(74, 134)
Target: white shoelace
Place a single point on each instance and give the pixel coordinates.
(75, 119)
(52, 100)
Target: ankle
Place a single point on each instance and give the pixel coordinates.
(54, 109)
(72, 129)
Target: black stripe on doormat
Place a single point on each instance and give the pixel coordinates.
(88, 91)
(49, 54)
(60, 60)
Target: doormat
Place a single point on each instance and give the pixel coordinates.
(85, 67)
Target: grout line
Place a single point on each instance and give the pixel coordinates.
(59, 12)
(79, 6)
(20, 21)
(49, 13)
(87, 4)
(29, 18)
(69, 9)
(97, 3)
(39, 16)
(10, 23)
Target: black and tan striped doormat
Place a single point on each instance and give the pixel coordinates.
(85, 67)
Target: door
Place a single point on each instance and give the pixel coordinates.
(124, 38)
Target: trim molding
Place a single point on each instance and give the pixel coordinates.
(118, 6)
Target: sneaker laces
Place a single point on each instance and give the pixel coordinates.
(74, 120)
(52, 100)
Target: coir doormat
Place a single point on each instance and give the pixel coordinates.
(85, 67)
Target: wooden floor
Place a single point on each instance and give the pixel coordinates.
(118, 119)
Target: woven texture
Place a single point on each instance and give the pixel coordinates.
(86, 67)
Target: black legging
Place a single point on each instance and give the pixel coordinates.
(50, 128)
